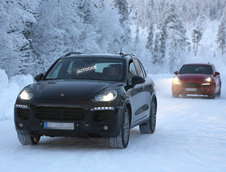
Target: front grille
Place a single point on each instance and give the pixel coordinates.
(23, 113)
(54, 113)
(101, 115)
(191, 85)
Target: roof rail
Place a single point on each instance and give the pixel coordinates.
(132, 55)
(123, 55)
(71, 53)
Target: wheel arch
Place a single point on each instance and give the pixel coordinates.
(154, 98)
(128, 105)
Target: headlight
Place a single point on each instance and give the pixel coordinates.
(208, 79)
(26, 95)
(176, 80)
(107, 96)
(205, 84)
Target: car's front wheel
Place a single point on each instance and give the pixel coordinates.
(122, 140)
(175, 95)
(213, 95)
(149, 126)
(27, 139)
(219, 93)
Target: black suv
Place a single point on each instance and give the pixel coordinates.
(88, 96)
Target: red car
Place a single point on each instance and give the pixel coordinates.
(201, 79)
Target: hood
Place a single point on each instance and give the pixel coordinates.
(77, 89)
(193, 77)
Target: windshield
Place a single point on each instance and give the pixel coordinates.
(87, 68)
(196, 69)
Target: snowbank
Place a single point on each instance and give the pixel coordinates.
(189, 137)
(9, 89)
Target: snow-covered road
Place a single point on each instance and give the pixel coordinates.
(190, 136)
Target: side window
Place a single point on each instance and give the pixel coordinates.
(139, 69)
(70, 68)
(214, 70)
(55, 71)
(142, 67)
(132, 72)
(132, 69)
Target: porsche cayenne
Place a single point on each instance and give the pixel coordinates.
(87, 96)
(200, 79)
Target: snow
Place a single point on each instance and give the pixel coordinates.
(190, 136)
(9, 89)
(34, 33)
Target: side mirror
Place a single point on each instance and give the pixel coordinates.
(176, 73)
(39, 77)
(217, 73)
(137, 80)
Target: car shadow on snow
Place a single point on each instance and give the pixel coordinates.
(66, 143)
(74, 143)
(193, 96)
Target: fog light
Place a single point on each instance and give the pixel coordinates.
(105, 127)
(20, 125)
(102, 108)
(22, 106)
(205, 84)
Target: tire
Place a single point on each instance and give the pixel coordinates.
(27, 139)
(122, 140)
(184, 95)
(219, 93)
(149, 126)
(212, 96)
(175, 95)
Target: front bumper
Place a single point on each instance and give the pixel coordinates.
(89, 119)
(193, 88)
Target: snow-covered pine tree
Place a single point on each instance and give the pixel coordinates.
(28, 59)
(58, 30)
(221, 35)
(149, 44)
(31, 36)
(175, 40)
(108, 28)
(122, 6)
(155, 57)
(162, 44)
(16, 20)
(196, 38)
(137, 36)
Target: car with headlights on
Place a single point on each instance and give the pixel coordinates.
(87, 96)
(200, 79)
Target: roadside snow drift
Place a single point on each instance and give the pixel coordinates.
(190, 137)
(9, 89)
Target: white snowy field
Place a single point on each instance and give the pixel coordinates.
(190, 136)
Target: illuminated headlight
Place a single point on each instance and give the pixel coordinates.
(102, 108)
(205, 84)
(107, 96)
(208, 79)
(22, 106)
(26, 95)
(176, 81)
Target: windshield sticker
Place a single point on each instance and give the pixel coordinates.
(86, 69)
